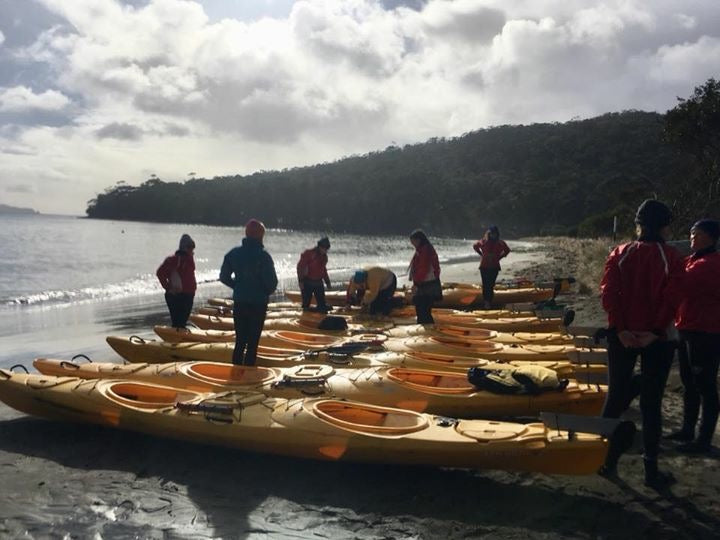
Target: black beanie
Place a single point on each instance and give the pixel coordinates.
(710, 227)
(653, 215)
(324, 242)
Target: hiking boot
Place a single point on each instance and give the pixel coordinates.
(695, 447)
(608, 471)
(656, 479)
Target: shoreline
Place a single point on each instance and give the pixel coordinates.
(83, 481)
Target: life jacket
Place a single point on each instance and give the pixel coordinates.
(332, 322)
(516, 380)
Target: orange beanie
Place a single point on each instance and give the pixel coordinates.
(255, 229)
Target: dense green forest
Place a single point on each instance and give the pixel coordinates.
(568, 178)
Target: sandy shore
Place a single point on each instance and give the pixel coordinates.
(76, 481)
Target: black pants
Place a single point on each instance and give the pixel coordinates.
(489, 277)
(423, 309)
(699, 359)
(383, 302)
(180, 305)
(249, 320)
(426, 293)
(313, 287)
(655, 362)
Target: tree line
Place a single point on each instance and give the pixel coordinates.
(550, 178)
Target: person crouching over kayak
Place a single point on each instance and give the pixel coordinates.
(177, 277)
(425, 275)
(640, 291)
(698, 319)
(312, 272)
(491, 249)
(250, 272)
(373, 288)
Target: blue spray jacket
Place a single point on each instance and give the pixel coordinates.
(250, 272)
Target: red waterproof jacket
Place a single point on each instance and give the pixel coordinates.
(424, 265)
(181, 264)
(700, 307)
(642, 286)
(491, 252)
(312, 265)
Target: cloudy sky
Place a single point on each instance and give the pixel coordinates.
(93, 92)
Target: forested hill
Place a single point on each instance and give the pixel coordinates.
(536, 179)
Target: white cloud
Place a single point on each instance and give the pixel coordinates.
(164, 84)
(21, 98)
(2, 38)
(683, 63)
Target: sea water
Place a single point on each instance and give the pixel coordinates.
(67, 282)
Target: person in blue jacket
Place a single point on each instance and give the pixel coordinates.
(250, 272)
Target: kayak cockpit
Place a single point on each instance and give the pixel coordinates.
(479, 346)
(430, 381)
(229, 374)
(369, 418)
(146, 396)
(304, 338)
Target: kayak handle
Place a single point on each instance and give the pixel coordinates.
(20, 366)
(69, 365)
(339, 359)
(81, 356)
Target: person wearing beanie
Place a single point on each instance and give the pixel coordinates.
(698, 320)
(312, 272)
(250, 272)
(177, 276)
(424, 272)
(373, 289)
(641, 290)
(491, 249)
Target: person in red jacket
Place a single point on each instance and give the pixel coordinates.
(640, 291)
(491, 249)
(177, 277)
(425, 275)
(312, 272)
(698, 320)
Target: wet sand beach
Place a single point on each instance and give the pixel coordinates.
(79, 481)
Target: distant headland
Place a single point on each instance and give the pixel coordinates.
(6, 209)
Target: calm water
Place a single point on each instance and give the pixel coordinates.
(66, 283)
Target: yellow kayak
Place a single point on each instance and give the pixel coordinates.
(466, 298)
(505, 324)
(461, 297)
(463, 333)
(222, 307)
(316, 428)
(300, 324)
(433, 343)
(438, 392)
(496, 351)
(175, 335)
(299, 340)
(310, 323)
(136, 349)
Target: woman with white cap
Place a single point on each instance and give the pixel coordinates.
(177, 277)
